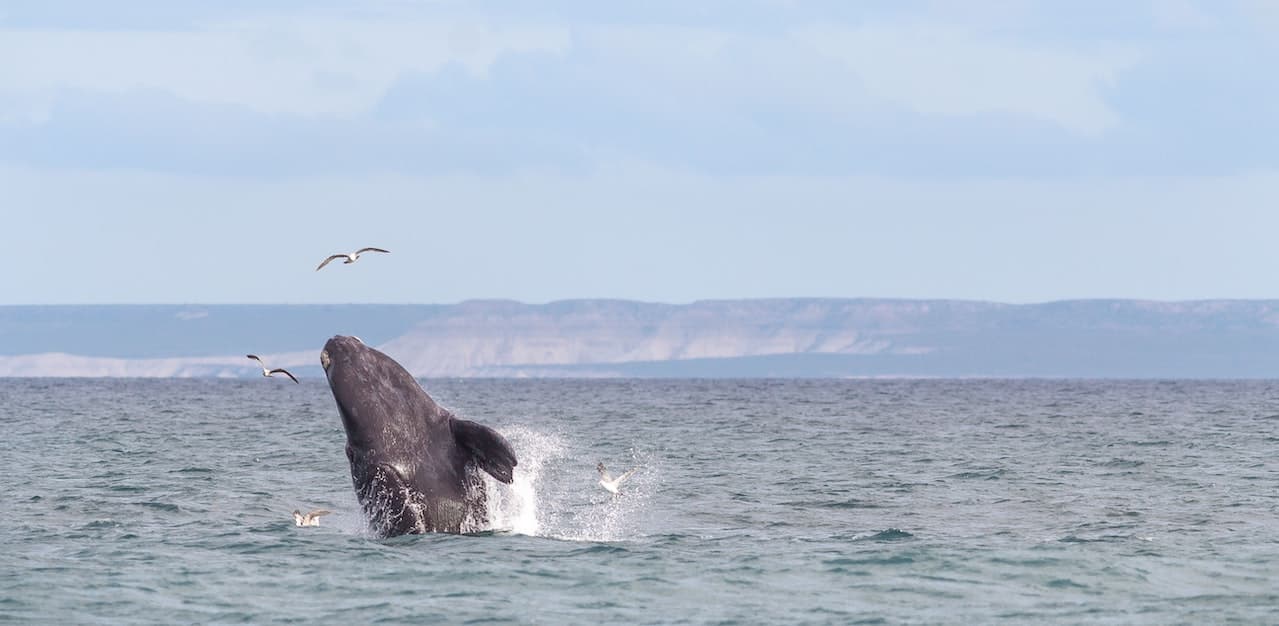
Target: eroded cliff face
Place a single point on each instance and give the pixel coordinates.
(480, 335)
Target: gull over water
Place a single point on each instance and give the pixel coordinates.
(308, 519)
(607, 481)
(268, 372)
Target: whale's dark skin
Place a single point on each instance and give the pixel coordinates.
(414, 465)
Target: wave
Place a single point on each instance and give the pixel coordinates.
(890, 534)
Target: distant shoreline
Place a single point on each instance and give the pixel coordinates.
(828, 338)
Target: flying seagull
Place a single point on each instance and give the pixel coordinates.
(267, 372)
(350, 256)
(310, 519)
(608, 482)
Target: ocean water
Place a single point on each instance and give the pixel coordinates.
(934, 501)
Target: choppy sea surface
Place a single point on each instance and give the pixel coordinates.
(933, 501)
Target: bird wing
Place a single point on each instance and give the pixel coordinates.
(363, 250)
(626, 475)
(318, 512)
(281, 370)
(603, 473)
(254, 357)
(326, 261)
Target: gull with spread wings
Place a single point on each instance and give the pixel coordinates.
(609, 483)
(349, 256)
(266, 372)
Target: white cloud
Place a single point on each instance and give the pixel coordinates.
(949, 71)
(1262, 15)
(322, 65)
(315, 66)
(1180, 15)
(23, 108)
(1004, 88)
(927, 68)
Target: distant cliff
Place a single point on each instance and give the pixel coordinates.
(747, 338)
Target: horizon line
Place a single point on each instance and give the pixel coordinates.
(652, 302)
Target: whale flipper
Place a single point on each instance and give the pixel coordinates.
(490, 450)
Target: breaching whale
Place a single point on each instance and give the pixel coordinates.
(415, 466)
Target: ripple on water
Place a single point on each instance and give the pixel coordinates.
(1127, 463)
(848, 503)
(1065, 583)
(1095, 539)
(891, 534)
(752, 507)
(102, 523)
(890, 559)
(128, 488)
(983, 474)
(166, 507)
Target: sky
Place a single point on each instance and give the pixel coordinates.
(161, 152)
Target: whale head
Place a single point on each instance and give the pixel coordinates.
(381, 404)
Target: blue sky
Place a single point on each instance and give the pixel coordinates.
(153, 151)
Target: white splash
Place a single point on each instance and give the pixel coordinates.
(556, 493)
(514, 507)
(606, 516)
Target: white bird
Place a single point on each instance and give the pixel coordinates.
(310, 519)
(349, 256)
(608, 482)
(266, 372)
